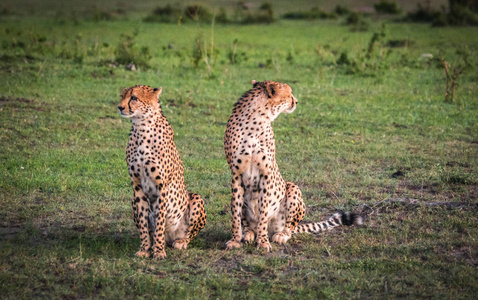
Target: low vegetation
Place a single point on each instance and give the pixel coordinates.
(459, 13)
(387, 7)
(244, 13)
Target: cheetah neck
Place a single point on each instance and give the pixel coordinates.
(255, 108)
(148, 118)
(150, 128)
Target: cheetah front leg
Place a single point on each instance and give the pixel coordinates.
(294, 211)
(266, 187)
(196, 221)
(159, 238)
(249, 234)
(237, 202)
(140, 206)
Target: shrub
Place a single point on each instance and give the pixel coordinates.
(343, 59)
(290, 58)
(463, 12)
(222, 16)
(376, 38)
(102, 15)
(356, 22)
(341, 10)
(5, 10)
(386, 7)
(128, 53)
(234, 56)
(164, 14)
(96, 14)
(366, 62)
(265, 14)
(166, 10)
(399, 43)
(198, 13)
(465, 62)
(352, 19)
(198, 51)
(422, 14)
(314, 13)
(440, 20)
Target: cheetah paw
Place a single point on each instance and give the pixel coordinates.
(233, 244)
(180, 244)
(249, 236)
(159, 255)
(142, 254)
(264, 245)
(280, 238)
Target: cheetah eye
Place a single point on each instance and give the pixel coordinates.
(133, 98)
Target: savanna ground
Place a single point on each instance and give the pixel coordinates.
(371, 134)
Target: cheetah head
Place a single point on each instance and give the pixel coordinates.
(279, 97)
(139, 101)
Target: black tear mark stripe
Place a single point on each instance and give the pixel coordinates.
(129, 106)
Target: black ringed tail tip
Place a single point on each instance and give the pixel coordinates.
(338, 219)
(350, 219)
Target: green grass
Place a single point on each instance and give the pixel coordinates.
(66, 228)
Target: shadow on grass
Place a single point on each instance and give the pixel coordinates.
(91, 241)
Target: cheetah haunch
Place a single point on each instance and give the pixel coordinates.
(162, 205)
(263, 204)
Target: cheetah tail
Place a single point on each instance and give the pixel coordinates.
(338, 219)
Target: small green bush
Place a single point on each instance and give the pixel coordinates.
(422, 14)
(222, 17)
(461, 13)
(367, 62)
(387, 7)
(197, 13)
(356, 22)
(102, 15)
(164, 14)
(96, 13)
(166, 10)
(341, 10)
(234, 56)
(399, 43)
(198, 51)
(314, 13)
(343, 59)
(265, 15)
(440, 20)
(128, 53)
(352, 19)
(5, 10)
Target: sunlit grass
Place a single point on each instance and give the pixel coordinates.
(66, 226)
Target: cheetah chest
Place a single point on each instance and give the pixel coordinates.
(150, 171)
(253, 164)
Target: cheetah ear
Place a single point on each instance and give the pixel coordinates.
(157, 92)
(254, 83)
(272, 89)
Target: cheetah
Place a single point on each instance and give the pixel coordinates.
(163, 210)
(263, 204)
